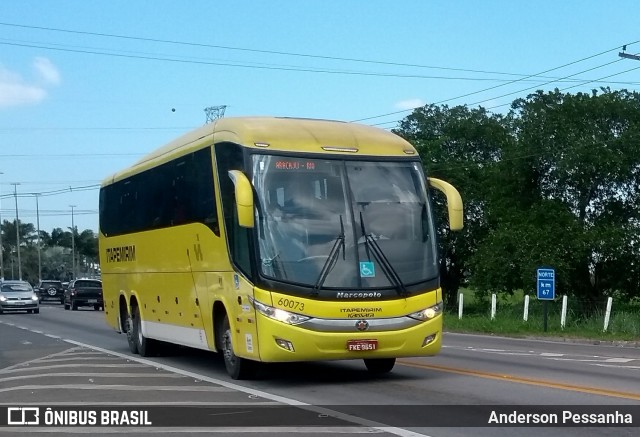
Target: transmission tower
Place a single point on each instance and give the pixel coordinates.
(214, 112)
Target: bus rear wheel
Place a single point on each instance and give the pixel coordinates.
(237, 368)
(146, 346)
(133, 346)
(379, 366)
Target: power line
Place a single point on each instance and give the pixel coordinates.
(585, 83)
(252, 50)
(547, 83)
(155, 57)
(505, 84)
(526, 89)
(260, 66)
(55, 192)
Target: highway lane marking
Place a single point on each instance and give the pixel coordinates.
(120, 387)
(149, 403)
(93, 375)
(31, 367)
(370, 425)
(522, 380)
(594, 360)
(305, 430)
(76, 358)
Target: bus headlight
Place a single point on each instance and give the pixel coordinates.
(427, 313)
(278, 314)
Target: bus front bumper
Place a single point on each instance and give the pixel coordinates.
(280, 342)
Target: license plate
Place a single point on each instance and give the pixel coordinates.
(93, 301)
(362, 345)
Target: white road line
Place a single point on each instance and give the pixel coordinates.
(307, 430)
(119, 387)
(27, 363)
(370, 425)
(76, 358)
(147, 404)
(616, 367)
(287, 401)
(94, 375)
(619, 360)
(70, 366)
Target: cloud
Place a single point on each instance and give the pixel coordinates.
(16, 91)
(410, 104)
(47, 71)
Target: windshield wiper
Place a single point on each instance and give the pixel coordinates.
(331, 259)
(387, 268)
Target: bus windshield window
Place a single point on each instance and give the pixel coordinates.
(304, 205)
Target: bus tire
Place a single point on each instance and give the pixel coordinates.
(237, 368)
(379, 366)
(133, 346)
(147, 347)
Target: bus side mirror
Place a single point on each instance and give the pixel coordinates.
(244, 198)
(454, 202)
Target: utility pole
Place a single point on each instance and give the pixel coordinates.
(38, 222)
(15, 196)
(622, 54)
(214, 112)
(73, 245)
(1, 247)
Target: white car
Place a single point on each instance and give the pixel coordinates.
(18, 296)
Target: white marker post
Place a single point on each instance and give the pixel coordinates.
(493, 306)
(525, 317)
(563, 316)
(607, 314)
(460, 304)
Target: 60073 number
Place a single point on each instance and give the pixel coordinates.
(291, 304)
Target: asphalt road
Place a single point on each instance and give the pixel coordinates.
(73, 358)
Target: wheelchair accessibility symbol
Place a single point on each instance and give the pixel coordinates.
(367, 269)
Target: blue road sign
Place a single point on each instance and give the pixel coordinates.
(546, 284)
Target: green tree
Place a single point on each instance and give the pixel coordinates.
(587, 149)
(459, 145)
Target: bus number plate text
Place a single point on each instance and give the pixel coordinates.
(362, 345)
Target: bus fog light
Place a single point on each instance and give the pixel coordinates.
(285, 344)
(428, 339)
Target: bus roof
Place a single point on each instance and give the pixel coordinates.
(279, 134)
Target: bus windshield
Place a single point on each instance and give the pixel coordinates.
(343, 223)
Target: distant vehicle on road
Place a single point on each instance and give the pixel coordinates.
(50, 290)
(18, 296)
(84, 292)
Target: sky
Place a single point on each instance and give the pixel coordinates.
(89, 87)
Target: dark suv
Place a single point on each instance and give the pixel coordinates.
(50, 290)
(84, 292)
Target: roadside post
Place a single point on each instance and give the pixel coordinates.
(546, 279)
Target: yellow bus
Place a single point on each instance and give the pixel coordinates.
(276, 240)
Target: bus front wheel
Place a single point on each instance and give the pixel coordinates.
(379, 366)
(237, 368)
